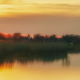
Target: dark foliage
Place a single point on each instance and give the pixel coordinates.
(17, 37)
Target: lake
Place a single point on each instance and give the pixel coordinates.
(47, 68)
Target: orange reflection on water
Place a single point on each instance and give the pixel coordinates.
(39, 71)
(6, 66)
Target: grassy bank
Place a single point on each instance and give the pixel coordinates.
(74, 47)
(33, 48)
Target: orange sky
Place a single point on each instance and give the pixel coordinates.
(6, 35)
(67, 7)
(48, 17)
(40, 24)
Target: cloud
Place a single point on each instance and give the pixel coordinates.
(40, 8)
(56, 5)
(6, 1)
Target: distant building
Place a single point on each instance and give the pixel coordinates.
(28, 37)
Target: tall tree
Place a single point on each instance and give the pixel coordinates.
(17, 37)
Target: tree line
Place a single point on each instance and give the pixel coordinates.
(17, 37)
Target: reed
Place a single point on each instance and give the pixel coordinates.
(32, 48)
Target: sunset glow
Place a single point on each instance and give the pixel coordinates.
(59, 17)
(59, 7)
(39, 39)
(7, 35)
(39, 71)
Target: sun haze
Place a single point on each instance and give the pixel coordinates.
(67, 7)
(45, 17)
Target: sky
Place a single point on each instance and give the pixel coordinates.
(44, 17)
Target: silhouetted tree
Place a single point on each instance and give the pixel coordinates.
(68, 38)
(9, 36)
(17, 37)
(2, 37)
(38, 37)
(71, 38)
(53, 38)
(31, 39)
(46, 38)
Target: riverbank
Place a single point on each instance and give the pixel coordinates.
(33, 48)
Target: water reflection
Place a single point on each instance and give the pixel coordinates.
(40, 67)
(28, 58)
(66, 59)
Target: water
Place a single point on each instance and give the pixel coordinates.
(48, 68)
